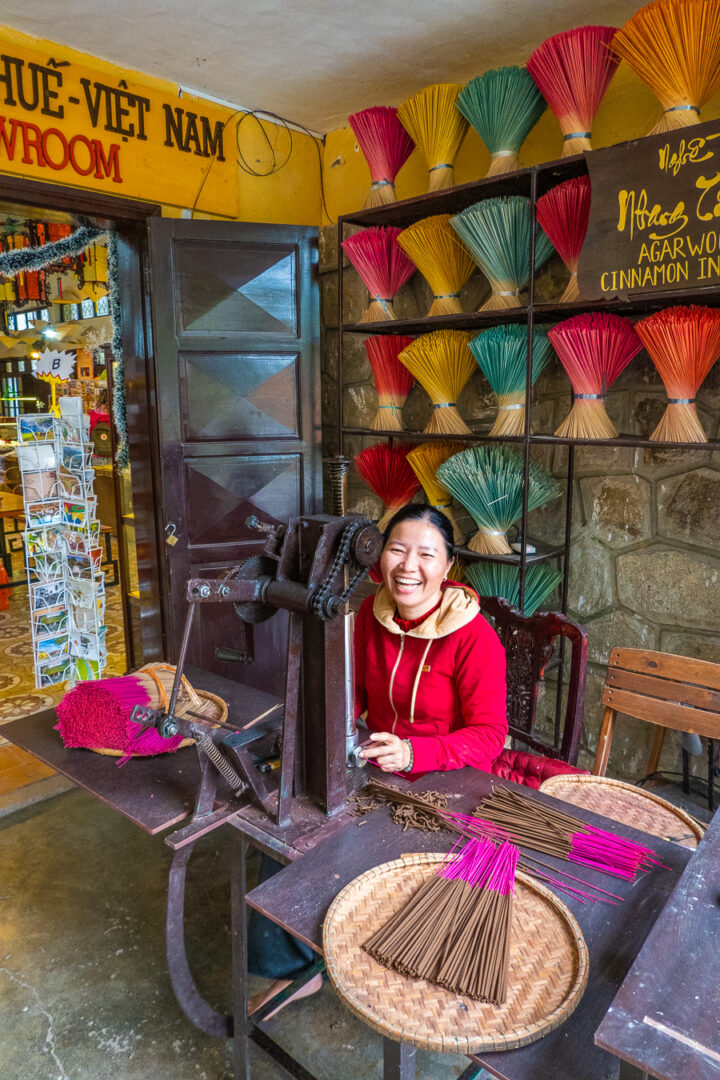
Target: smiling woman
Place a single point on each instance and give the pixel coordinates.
(429, 670)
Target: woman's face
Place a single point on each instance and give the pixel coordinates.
(413, 564)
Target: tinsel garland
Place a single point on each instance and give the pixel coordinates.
(36, 258)
(119, 406)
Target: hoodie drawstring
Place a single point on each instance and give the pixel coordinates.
(417, 681)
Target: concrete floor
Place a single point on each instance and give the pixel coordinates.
(84, 992)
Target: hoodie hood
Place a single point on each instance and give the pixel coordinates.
(458, 607)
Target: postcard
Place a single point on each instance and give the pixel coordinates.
(48, 621)
(36, 426)
(38, 514)
(48, 594)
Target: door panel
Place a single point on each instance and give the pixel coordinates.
(236, 322)
(240, 396)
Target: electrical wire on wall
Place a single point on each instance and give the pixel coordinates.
(276, 161)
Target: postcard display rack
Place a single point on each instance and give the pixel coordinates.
(62, 550)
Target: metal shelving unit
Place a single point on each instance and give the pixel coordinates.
(531, 182)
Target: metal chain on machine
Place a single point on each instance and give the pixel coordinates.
(323, 593)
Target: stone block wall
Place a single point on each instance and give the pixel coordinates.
(645, 555)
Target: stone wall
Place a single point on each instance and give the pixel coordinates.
(645, 556)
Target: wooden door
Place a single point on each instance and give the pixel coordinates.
(235, 313)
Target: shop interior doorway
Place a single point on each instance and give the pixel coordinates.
(58, 318)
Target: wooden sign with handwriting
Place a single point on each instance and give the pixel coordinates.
(654, 215)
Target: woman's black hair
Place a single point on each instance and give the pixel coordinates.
(423, 512)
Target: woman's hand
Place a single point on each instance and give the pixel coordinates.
(388, 752)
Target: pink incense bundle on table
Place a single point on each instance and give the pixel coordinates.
(386, 471)
(572, 71)
(563, 214)
(383, 266)
(96, 715)
(455, 930)
(386, 146)
(393, 381)
(594, 349)
(683, 343)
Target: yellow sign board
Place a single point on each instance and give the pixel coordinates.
(67, 123)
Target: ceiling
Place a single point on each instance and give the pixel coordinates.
(310, 61)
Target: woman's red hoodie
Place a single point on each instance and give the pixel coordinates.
(441, 685)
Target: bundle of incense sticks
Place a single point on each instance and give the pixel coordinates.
(393, 381)
(683, 343)
(425, 460)
(563, 214)
(386, 472)
(572, 71)
(455, 930)
(442, 364)
(418, 811)
(502, 105)
(674, 46)
(437, 128)
(508, 815)
(386, 147)
(442, 259)
(383, 266)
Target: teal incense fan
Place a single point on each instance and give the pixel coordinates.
(488, 481)
(503, 579)
(502, 105)
(497, 234)
(501, 353)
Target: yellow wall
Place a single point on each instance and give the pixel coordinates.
(290, 195)
(628, 111)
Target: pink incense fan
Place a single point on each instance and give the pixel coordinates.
(563, 214)
(594, 349)
(572, 71)
(386, 146)
(383, 266)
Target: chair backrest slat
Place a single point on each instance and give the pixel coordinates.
(670, 690)
(668, 666)
(663, 713)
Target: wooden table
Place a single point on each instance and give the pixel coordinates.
(300, 895)
(665, 1018)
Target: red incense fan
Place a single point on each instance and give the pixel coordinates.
(572, 71)
(386, 472)
(383, 266)
(563, 214)
(593, 349)
(393, 381)
(683, 343)
(386, 146)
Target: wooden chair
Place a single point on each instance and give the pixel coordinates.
(529, 643)
(668, 691)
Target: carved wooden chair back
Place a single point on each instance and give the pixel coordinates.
(669, 691)
(530, 643)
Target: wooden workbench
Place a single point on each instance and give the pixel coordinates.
(299, 896)
(665, 1018)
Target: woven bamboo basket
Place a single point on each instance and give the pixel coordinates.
(630, 805)
(158, 681)
(547, 977)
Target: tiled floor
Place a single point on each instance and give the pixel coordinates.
(18, 768)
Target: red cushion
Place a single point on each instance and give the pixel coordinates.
(530, 769)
